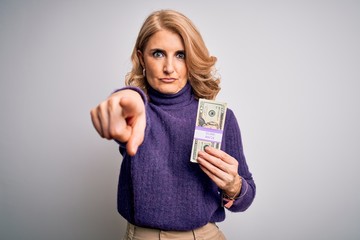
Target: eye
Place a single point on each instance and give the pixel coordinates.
(180, 55)
(158, 54)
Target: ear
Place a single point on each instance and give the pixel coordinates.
(141, 58)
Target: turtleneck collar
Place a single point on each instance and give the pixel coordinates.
(179, 99)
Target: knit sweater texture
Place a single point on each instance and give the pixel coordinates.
(159, 187)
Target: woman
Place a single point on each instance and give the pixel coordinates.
(161, 193)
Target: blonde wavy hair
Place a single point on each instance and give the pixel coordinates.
(201, 66)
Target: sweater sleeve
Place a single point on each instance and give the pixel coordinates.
(232, 145)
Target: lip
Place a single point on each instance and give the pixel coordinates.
(168, 80)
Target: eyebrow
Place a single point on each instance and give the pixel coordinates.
(157, 49)
(162, 50)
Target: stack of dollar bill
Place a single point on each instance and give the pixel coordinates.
(209, 127)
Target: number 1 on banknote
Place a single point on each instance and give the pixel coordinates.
(209, 126)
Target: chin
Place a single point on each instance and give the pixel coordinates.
(169, 89)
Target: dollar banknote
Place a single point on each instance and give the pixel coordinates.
(209, 126)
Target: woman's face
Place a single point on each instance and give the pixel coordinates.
(164, 61)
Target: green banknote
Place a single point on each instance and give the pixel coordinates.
(209, 127)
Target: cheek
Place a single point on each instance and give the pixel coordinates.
(152, 66)
(151, 69)
(183, 70)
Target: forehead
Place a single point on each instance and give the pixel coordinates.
(166, 40)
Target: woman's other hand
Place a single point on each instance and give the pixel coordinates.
(121, 117)
(222, 169)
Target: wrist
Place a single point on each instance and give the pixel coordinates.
(228, 200)
(235, 192)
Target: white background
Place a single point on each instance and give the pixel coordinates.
(290, 72)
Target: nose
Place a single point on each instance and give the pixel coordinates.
(168, 67)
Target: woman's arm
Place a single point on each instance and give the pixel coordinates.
(228, 168)
(121, 117)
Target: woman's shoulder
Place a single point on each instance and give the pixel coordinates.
(231, 121)
(230, 114)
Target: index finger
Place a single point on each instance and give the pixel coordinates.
(219, 154)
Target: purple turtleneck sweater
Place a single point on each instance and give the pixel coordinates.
(159, 187)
